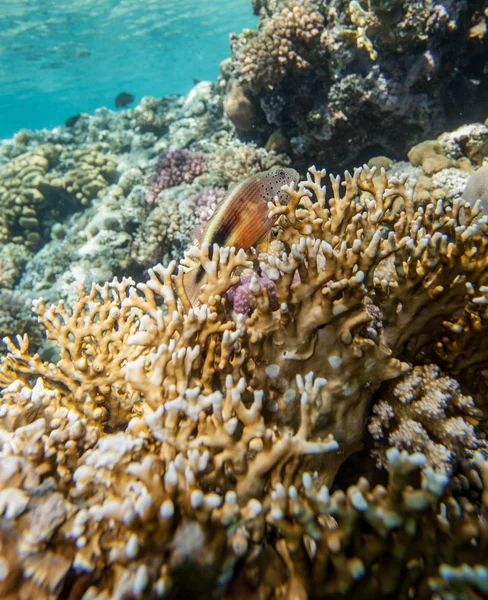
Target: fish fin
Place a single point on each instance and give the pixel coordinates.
(197, 234)
(264, 241)
(201, 229)
(193, 282)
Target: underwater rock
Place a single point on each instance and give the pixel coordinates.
(477, 189)
(238, 107)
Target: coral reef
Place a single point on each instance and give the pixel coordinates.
(93, 222)
(204, 202)
(177, 450)
(174, 167)
(340, 78)
(426, 412)
(154, 448)
(280, 46)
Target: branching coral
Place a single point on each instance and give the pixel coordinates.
(279, 47)
(426, 412)
(164, 422)
(174, 167)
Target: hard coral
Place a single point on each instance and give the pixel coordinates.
(241, 295)
(204, 202)
(338, 78)
(162, 421)
(174, 167)
(280, 46)
(426, 412)
(35, 190)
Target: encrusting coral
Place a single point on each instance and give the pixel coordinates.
(178, 450)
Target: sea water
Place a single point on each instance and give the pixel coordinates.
(58, 59)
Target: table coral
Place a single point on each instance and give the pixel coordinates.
(163, 423)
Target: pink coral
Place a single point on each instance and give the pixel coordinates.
(204, 202)
(242, 297)
(175, 167)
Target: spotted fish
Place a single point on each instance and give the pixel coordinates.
(241, 219)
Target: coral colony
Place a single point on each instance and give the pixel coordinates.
(312, 424)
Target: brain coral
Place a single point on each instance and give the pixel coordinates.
(185, 451)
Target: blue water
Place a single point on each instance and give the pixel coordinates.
(61, 58)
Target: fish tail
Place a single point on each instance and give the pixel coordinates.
(193, 282)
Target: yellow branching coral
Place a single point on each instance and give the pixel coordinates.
(163, 422)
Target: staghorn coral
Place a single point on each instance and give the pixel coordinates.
(174, 167)
(162, 422)
(426, 412)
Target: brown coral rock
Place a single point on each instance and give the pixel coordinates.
(430, 157)
(238, 107)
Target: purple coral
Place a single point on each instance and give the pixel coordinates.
(175, 167)
(243, 300)
(204, 202)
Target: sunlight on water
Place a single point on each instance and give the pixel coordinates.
(58, 59)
